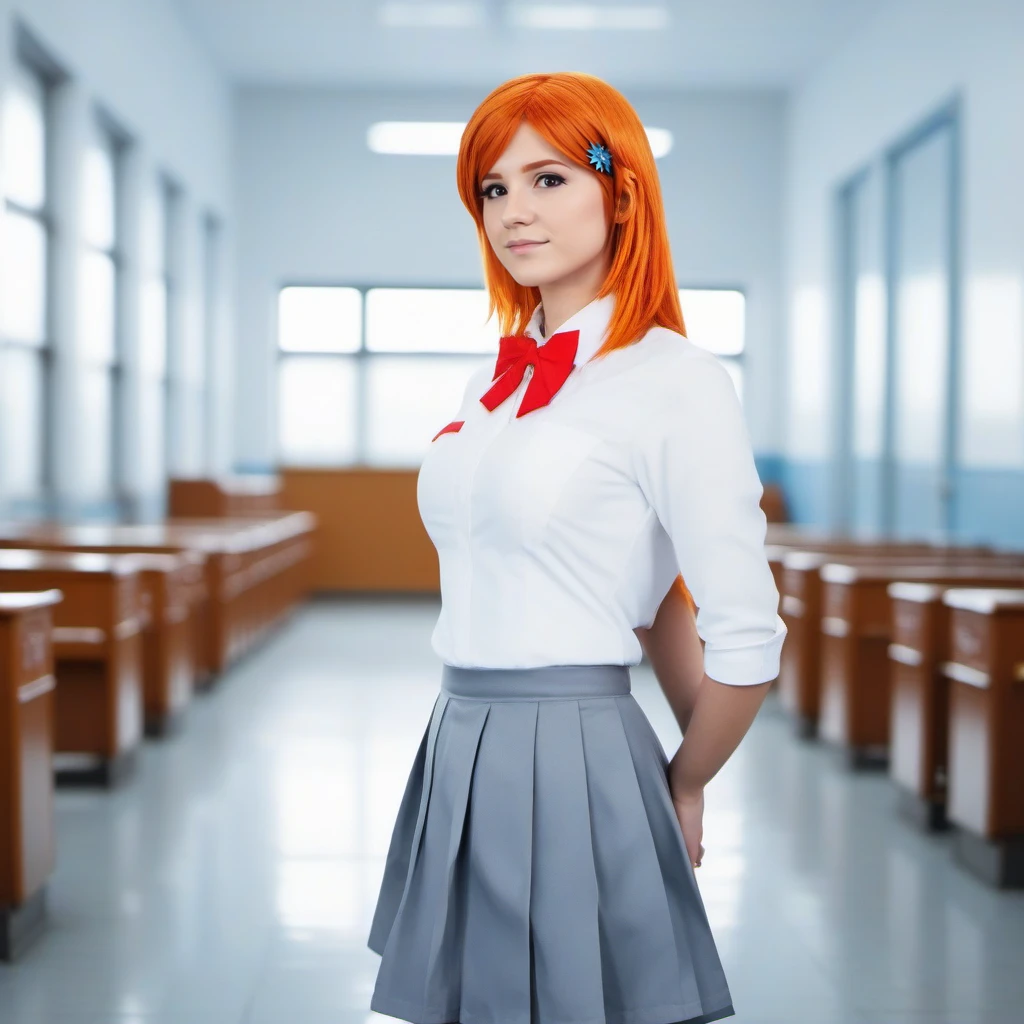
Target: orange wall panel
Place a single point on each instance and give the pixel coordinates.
(369, 534)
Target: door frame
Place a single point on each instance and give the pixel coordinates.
(947, 117)
(842, 488)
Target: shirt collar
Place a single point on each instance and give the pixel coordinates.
(591, 321)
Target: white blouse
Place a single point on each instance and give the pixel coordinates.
(561, 531)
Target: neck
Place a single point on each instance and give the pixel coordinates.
(562, 299)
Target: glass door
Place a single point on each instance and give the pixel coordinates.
(922, 252)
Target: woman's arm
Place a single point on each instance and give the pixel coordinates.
(695, 464)
(721, 716)
(676, 654)
(715, 716)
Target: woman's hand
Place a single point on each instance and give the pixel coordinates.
(690, 812)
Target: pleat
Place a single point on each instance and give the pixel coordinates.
(564, 899)
(640, 963)
(396, 866)
(405, 942)
(458, 747)
(498, 861)
(698, 955)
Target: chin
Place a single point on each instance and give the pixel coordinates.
(531, 281)
(532, 278)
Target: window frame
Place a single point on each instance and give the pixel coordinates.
(361, 357)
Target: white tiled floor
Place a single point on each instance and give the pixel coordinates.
(233, 879)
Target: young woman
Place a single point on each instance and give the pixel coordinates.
(541, 868)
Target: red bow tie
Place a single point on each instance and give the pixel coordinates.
(552, 362)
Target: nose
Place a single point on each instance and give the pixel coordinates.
(516, 209)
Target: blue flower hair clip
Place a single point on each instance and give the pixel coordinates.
(600, 157)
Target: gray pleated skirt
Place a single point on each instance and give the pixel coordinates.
(537, 873)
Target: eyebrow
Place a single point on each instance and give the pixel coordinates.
(530, 167)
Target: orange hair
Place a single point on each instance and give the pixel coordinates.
(571, 110)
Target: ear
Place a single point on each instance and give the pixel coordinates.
(626, 204)
(624, 208)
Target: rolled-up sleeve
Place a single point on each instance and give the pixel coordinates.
(695, 464)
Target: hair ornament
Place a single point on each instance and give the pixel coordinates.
(600, 157)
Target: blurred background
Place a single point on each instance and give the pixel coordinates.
(232, 241)
(238, 297)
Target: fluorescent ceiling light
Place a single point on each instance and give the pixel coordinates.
(588, 16)
(441, 138)
(660, 140)
(416, 138)
(431, 15)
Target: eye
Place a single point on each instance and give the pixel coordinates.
(557, 177)
(486, 192)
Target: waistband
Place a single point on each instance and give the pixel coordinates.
(545, 682)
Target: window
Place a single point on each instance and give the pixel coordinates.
(367, 375)
(158, 417)
(98, 321)
(26, 352)
(716, 320)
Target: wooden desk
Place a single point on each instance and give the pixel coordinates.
(801, 591)
(256, 569)
(986, 739)
(231, 495)
(27, 830)
(856, 630)
(98, 651)
(168, 653)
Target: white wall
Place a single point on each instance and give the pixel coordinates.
(137, 60)
(903, 64)
(314, 205)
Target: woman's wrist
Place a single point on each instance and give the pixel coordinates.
(684, 789)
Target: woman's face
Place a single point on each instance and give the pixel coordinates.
(534, 192)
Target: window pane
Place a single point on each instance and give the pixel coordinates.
(151, 436)
(25, 138)
(154, 228)
(98, 193)
(192, 363)
(96, 325)
(715, 319)
(169, 197)
(409, 399)
(317, 410)
(429, 320)
(22, 422)
(190, 456)
(94, 434)
(319, 319)
(153, 349)
(23, 279)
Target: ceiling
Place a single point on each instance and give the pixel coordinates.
(720, 44)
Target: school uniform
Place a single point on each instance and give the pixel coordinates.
(537, 873)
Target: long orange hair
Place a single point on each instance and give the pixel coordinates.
(571, 110)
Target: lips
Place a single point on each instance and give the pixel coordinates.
(525, 246)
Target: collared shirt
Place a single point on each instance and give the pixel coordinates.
(561, 531)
